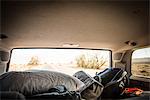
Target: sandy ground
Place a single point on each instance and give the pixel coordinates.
(136, 69)
(67, 69)
(141, 70)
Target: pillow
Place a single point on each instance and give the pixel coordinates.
(30, 83)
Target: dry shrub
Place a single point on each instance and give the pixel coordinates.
(34, 61)
(93, 62)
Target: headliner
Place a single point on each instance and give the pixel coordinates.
(90, 24)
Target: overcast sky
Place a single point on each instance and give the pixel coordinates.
(141, 53)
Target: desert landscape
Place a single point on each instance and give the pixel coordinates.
(141, 67)
(64, 62)
(68, 69)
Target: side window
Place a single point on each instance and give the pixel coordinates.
(141, 63)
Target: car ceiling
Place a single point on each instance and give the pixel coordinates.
(91, 24)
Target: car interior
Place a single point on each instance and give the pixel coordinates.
(74, 50)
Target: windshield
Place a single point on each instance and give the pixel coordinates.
(67, 61)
